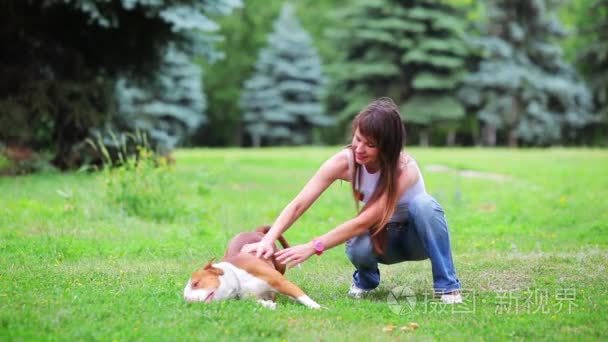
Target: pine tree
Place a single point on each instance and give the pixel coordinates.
(411, 51)
(171, 105)
(522, 85)
(167, 108)
(282, 100)
(58, 80)
(593, 58)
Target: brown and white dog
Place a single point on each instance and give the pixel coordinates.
(241, 275)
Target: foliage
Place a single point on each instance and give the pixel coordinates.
(522, 85)
(410, 51)
(108, 67)
(58, 80)
(593, 57)
(19, 160)
(282, 100)
(246, 33)
(143, 187)
(141, 183)
(169, 108)
(4, 162)
(53, 114)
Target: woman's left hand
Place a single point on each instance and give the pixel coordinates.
(295, 255)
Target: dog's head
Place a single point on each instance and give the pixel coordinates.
(205, 285)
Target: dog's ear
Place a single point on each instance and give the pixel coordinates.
(216, 271)
(208, 265)
(209, 268)
(263, 229)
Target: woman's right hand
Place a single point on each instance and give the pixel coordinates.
(263, 249)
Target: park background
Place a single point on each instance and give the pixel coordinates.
(138, 136)
(268, 73)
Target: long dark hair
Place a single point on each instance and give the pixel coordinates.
(380, 122)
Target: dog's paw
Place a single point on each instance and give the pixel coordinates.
(314, 306)
(268, 304)
(309, 302)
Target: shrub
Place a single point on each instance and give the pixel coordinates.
(141, 183)
(19, 160)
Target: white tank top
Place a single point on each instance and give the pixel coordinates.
(369, 182)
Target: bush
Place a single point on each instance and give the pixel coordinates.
(5, 164)
(142, 183)
(18, 160)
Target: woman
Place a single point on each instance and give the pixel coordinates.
(399, 220)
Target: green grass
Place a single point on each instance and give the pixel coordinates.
(75, 266)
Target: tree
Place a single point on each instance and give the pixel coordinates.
(246, 31)
(282, 99)
(593, 58)
(411, 51)
(168, 108)
(522, 85)
(58, 81)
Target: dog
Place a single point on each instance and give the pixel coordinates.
(240, 275)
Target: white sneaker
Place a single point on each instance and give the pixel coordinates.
(451, 298)
(356, 292)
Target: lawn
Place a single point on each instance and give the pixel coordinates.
(529, 235)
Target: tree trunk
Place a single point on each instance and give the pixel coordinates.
(424, 137)
(256, 140)
(450, 139)
(489, 135)
(512, 138)
(237, 139)
(66, 135)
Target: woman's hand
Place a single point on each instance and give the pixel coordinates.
(295, 255)
(262, 249)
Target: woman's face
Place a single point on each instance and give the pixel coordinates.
(366, 151)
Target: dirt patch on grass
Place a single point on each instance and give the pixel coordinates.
(497, 177)
(513, 271)
(503, 280)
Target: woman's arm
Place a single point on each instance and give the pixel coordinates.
(351, 228)
(334, 168)
(361, 223)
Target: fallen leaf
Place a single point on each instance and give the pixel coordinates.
(488, 207)
(388, 328)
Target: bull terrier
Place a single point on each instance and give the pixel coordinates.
(241, 275)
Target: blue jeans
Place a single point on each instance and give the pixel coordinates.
(424, 235)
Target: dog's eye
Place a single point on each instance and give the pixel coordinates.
(195, 284)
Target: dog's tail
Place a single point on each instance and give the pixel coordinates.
(264, 229)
